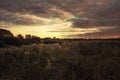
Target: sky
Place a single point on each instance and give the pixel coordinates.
(62, 18)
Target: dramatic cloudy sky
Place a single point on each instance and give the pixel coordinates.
(62, 18)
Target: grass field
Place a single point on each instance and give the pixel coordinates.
(71, 60)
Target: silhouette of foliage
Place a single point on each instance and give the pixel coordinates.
(5, 33)
(7, 38)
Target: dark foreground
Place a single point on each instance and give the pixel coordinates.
(73, 60)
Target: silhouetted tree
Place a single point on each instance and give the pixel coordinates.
(19, 36)
(5, 33)
(30, 39)
(28, 36)
(49, 40)
(35, 39)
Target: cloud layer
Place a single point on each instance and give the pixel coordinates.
(81, 14)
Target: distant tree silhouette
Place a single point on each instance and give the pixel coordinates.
(35, 39)
(28, 36)
(30, 39)
(20, 39)
(49, 40)
(19, 36)
(5, 37)
(5, 33)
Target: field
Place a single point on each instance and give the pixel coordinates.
(70, 60)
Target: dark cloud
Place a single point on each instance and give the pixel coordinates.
(81, 23)
(17, 18)
(107, 33)
(109, 15)
(88, 13)
(39, 8)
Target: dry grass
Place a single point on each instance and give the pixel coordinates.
(75, 60)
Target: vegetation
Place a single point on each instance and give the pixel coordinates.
(8, 39)
(33, 58)
(70, 60)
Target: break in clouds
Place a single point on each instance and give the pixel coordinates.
(103, 15)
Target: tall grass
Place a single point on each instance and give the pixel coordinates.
(75, 60)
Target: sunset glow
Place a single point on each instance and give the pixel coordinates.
(62, 19)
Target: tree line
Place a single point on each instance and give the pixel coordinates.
(7, 38)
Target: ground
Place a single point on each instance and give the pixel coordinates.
(70, 60)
